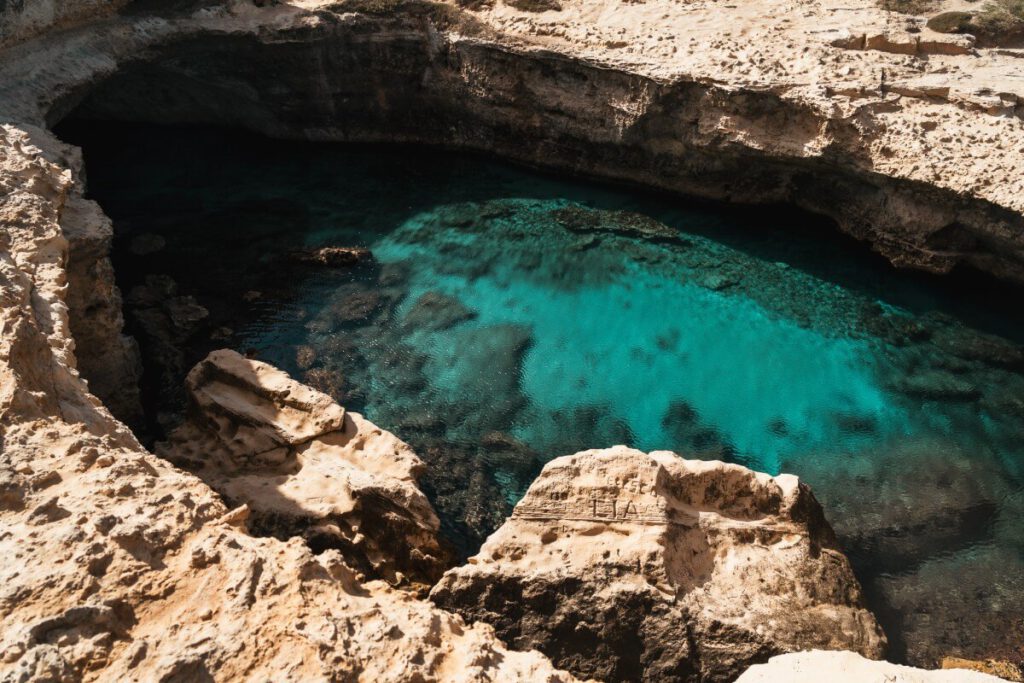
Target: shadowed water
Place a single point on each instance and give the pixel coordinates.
(508, 317)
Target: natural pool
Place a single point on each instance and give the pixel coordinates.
(509, 317)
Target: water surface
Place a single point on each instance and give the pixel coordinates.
(509, 317)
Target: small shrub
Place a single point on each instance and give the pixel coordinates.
(1001, 18)
(915, 7)
(369, 6)
(951, 22)
(535, 5)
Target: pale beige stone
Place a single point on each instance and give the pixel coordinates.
(305, 467)
(623, 565)
(849, 667)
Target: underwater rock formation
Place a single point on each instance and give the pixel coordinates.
(333, 257)
(305, 466)
(622, 565)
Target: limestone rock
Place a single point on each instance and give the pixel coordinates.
(907, 137)
(994, 667)
(120, 567)
(305, 466)
(623, 565)
(21, 20)
(848, 667)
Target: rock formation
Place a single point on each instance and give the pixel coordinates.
(306, 467)
(333, 257)
(622, 565)
(848, 667)
(124, 567)
(905, 136)
(21, 19)
(120, 566)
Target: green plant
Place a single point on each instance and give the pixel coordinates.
(951, 22)
(369, 6)
(915, 7)
(1001, 17)
(535, 5)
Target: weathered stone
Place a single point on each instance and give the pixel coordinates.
(623, 565)
(304, 466)
(848, 667)
(333, 257)
(437, 311)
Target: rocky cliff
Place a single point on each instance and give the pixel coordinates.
(896, 132)
(847, 667)
(22, 19)
(305, 467)
(907, 138)
(124, 566)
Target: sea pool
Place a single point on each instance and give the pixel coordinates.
(509, 317)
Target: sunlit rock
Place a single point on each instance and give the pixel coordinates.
(623, 565)
(848, 667)
(305, 466)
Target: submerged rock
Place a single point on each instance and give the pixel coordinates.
(333, 257)
(933, 385)
(955, 493)
(627, 223)
(147, 243)
(305, 466)
(437, 311)
(622, 565)
(354, 306)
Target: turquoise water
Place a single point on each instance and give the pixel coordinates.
(509, 317)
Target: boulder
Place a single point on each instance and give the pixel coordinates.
(624, 565)
(305, 466)
(333, 257)
(849, 667)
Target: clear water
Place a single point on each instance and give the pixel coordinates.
(511, 317)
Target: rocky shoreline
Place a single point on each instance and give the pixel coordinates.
(126, 566)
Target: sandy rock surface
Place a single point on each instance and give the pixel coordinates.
(306, 467)
(910, 139)
(848, 667)
(623, 565)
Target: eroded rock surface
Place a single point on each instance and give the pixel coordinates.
(848, 667)
(120, 566)
(623, 565)
(305, 466)
(906, 137)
